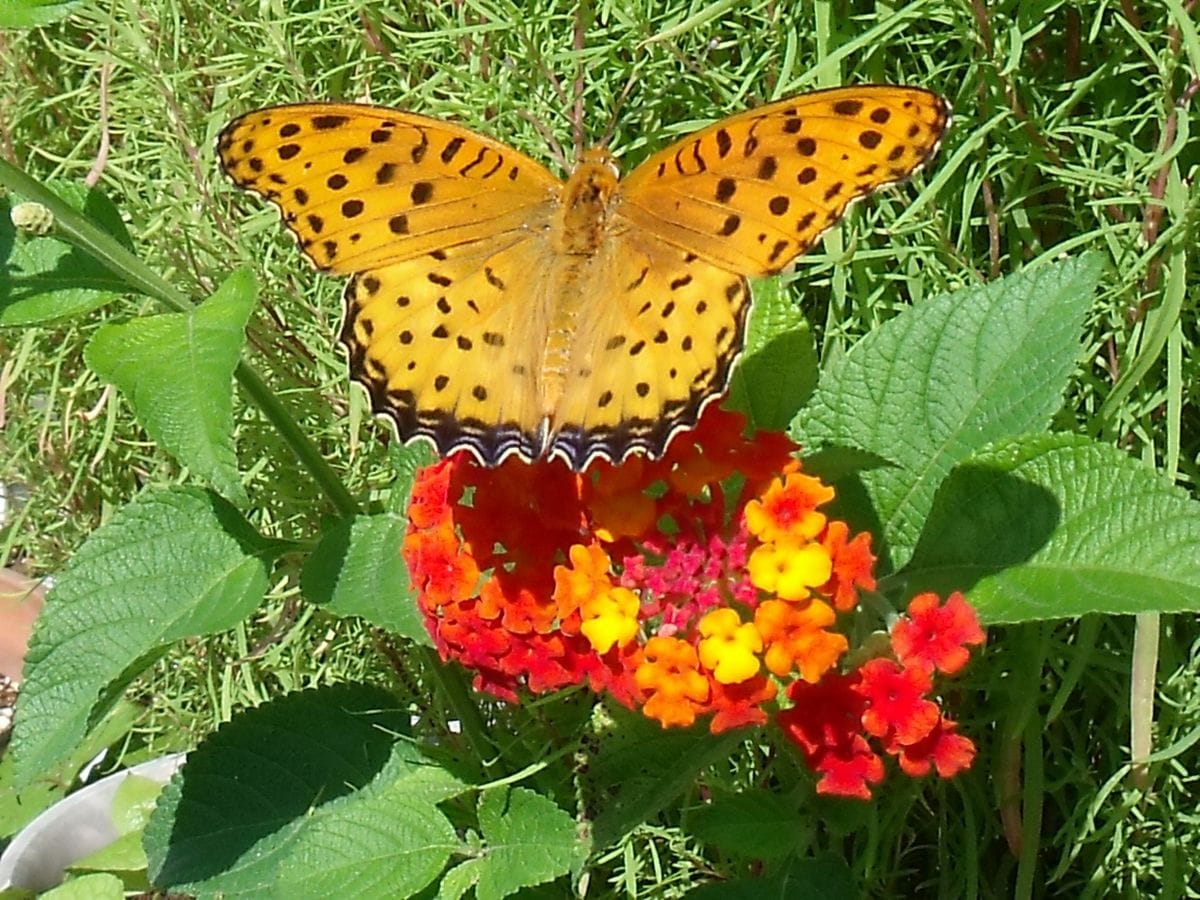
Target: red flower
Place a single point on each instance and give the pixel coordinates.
(950, 753)
(848, 772)
(825, 723)
(935, 637)
(825, 714)
(896, 704)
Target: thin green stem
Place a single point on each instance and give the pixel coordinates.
(140, 277)
(454, 690)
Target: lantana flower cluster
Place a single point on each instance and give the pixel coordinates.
(708, 583)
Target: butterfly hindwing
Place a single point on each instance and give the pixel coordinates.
(448, 348)
(648, 360)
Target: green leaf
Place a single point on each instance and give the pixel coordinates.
(824, 877)
(755, 824)
(406, 460)
(641, 768)
(947, 378)
(42, 277)
(176, 369)
(778, 370)
(318, 794)
(97, 886)
(357, 570)
(527, 840)
(1056, 526)
(170, 565)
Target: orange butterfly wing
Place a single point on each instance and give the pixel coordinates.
(754, 191)
(496, 309)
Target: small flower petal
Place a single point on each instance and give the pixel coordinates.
(896, 704)
(935, 637)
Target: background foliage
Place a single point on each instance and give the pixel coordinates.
(1071, 133)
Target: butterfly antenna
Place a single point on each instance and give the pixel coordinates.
(606, 138)
(556, 150)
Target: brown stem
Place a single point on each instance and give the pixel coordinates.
(1155, 208)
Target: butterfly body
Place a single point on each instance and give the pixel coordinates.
(498, 309)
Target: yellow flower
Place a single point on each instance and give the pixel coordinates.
(790, 568)
(729, 646)
(610, 619)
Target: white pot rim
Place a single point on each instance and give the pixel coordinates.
(74, 827)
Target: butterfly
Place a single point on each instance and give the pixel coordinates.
(498, 309)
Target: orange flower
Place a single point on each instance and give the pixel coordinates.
(440, 570)
(584, 579)
(521, 609)
(669, 673)
(796, 637)
(741, 703)
(788, 509)
(429, 504)
(617, 500)
(853, 565)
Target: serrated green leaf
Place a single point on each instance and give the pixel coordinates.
(527, 840)
(641, 768)
(357, 570)
(317, 794)
(406, 460)
(176, 370)
(42, 277)
(380, 846)
(778, 370)
(170, 565)
(1056, 526)
(755, 824)
(458, 880)
(947, 378)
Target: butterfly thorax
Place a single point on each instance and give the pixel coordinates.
(584, 212)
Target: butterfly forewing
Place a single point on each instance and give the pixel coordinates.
(753, 192)
(361, 186)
